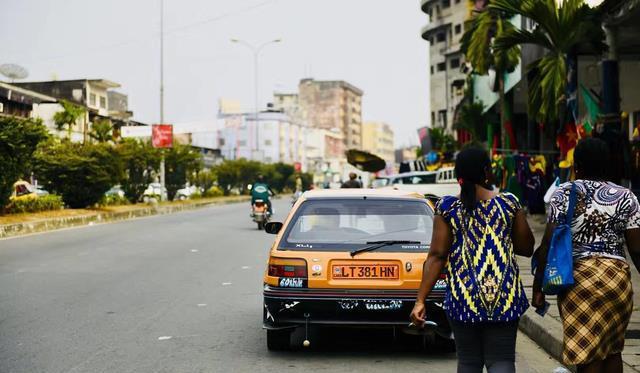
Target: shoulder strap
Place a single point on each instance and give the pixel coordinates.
(572, 203)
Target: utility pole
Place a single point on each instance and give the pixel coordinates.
(256, 54)
(163, 197)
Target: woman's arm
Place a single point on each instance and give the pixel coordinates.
(521, 235)
(541, 256)
(441, 242)
(632, 237)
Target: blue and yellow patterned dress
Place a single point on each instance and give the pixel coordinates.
(483, 276)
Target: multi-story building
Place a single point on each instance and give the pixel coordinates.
(444, 33)
(275, 139)
(377, 138)
(20, 102)
(333, 105)
(93, 94)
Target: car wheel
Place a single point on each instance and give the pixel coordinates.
(279, 340)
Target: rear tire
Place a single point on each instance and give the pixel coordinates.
(260, 225)
(279, 340)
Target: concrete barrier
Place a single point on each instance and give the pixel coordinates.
(45, 225)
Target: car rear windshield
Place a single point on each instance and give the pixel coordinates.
(348, 224)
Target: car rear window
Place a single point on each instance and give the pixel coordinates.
(347, 224)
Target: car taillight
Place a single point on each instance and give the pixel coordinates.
(282, 267)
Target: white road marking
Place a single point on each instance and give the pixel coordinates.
(226, 283)
(194, 251)
(245, 267)
(202, 304)
(164, 338)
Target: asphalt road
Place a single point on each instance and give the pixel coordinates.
(173, 293)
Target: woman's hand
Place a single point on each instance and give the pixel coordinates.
(418, 314)
(537, 299)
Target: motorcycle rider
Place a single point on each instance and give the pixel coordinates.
(262, 190)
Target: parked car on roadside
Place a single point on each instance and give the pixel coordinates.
(431, 184)
(23, 189)
(40, 191)
(350, 258)
(115, 191)
(154, 190)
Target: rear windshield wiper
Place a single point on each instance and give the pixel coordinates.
(374, 245)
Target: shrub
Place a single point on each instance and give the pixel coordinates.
(196, 195)
(35, 204)
(19, 139)
(80, 173)
(113, 200)
(214, 191)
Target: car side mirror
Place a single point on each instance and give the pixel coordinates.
(273, 227)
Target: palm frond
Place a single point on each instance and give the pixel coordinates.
(476, 43)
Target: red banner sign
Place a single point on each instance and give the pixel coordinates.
(162, 135)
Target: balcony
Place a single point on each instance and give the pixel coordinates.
(434, 26)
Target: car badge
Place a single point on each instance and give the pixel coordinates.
(408, 266)
(317, 268)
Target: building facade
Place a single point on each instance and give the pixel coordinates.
(333, 105)
(378, 138)
(444, 33)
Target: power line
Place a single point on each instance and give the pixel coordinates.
(109, 47)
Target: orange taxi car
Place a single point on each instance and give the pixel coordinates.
(350, 257)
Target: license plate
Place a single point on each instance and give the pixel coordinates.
(366, 271)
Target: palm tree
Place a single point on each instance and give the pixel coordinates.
(478, 45)
(101, 131)
(562, 26)
(68, 116)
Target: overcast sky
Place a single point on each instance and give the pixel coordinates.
(373, 44)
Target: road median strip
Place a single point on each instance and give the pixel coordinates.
(99, 216)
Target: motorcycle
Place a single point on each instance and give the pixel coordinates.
(260, 213)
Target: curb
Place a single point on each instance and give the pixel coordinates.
(545, 331)
(20, 229)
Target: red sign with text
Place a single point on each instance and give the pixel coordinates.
(162, 135)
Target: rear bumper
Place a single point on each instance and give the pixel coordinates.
(290, 308)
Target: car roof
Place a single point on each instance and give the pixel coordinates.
(358, 193)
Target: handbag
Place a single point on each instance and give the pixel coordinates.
(558, 273)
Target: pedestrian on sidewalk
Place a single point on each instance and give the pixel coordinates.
(476, 236)
(596, 310)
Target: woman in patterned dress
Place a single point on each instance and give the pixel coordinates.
(596, 310)
(476, 236)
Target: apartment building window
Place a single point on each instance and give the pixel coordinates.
(458, 29)
(267, 142)
(92, 99)
(221, 142)
(103, 102)
(442, 66)
(455, 63)
(446, 3)
(441, 37)
(442, 118)
(242, 143)
(432, 70)
(433, 117)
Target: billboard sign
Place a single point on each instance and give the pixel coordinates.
(162, 135)
(425, 140)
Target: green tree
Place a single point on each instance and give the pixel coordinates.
(228, 176)
(441, 141)
(19, 139)
(204, 179)
(180, 161)
(68, 116)
(472, 119)
(140, 161)
(80, 173)
(102, 130)
(561, 28)
(478, 45)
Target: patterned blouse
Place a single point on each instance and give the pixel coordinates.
(603, 212)
(483, 280)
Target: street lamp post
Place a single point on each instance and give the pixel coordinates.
(256, 54)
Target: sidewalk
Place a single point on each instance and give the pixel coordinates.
(547, 331)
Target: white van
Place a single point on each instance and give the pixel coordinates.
(436, 184)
